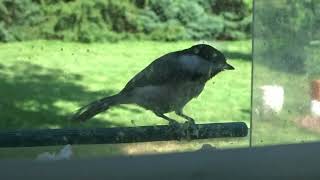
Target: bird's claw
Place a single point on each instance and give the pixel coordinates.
(175, 128)
(190, 129)
(184, 131)
(174, 125)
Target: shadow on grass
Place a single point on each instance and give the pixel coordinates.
(246, 111)
(30, 97)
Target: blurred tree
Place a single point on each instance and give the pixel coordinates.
(289, 26)
(111, 20)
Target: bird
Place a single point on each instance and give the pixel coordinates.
(166, 85)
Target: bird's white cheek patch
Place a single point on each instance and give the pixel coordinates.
(195, 64)
(189, 62)
(210, 72)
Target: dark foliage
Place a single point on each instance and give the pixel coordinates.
(286, 34)
(112, 20)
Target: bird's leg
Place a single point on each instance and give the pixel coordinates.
(175, 127)
(190, 119)
(190, 126)
(172, 122)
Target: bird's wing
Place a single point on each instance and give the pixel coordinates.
(170, 68)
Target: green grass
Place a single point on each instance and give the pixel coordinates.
(44, 82)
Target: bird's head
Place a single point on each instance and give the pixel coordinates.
(212, 55)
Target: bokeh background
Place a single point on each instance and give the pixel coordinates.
(112, 21)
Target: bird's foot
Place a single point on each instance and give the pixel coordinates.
(175, 128)
(186, 131)
(174, 124)
(190, 129)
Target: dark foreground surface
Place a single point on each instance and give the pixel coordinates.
(277, 162)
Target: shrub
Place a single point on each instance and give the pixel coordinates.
(289, 27)
(112, 20)
(170, 31)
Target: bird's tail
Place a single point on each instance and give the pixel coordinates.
(94, 108)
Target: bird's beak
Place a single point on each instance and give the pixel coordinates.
(228, 67)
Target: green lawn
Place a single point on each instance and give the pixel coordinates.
(44, 82)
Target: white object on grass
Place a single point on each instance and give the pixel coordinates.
(64, 154)
(273, 98)
(315, 108)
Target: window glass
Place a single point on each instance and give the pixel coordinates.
(286, 72)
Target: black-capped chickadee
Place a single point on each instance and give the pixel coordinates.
(167, 84)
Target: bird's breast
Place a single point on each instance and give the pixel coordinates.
(167, 97)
